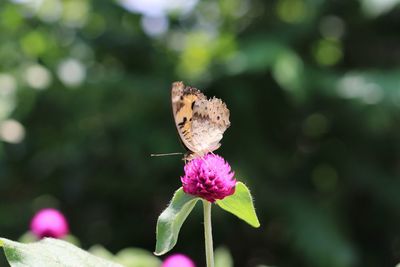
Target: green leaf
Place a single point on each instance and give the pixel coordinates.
(241, 205)
(170, 221)
(50, 253)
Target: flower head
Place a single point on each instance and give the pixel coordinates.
(209, 177)
(178, 260)
(49, 223)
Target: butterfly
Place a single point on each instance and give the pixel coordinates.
(200, 122)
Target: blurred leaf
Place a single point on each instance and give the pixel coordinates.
(328, 52)
(50, 253)
(374, 8)
(241, 205)
(136, 257)
(28, 237)
(170, 221)
(34, 43)
(128, 257)
(196, 56)
(11, 17)
(102, 252)
(223, 257)
(288, 72)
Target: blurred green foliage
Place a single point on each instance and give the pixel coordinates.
(313, 91)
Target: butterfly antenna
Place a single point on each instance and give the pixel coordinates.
(166, 154)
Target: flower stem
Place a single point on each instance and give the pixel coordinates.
(208, 233)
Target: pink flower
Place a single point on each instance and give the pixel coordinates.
(49, 223)
(178, 260)
(209, 177)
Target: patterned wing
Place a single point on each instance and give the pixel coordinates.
(210, 121)
(183, 101)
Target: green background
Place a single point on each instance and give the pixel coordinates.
(313, 90)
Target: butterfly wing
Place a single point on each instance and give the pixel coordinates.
(183, 99)
(201, 123)
(210, 121)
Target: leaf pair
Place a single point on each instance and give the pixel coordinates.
(171, 219)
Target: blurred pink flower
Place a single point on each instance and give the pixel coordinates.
(178, 260)
(209, 177)
(49, 223)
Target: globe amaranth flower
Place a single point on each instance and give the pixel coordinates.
(178, 260)
(209, 177)
(49, 223)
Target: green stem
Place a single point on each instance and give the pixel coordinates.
(208, 233)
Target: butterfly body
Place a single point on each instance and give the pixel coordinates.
(200, 122)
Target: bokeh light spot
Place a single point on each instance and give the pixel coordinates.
(158, 7)
(235, 8)
(75, 13)
(50, 10)
(373, 94)
(374, 8)
(155, 26)
(197, 55)
(31, 5)
(20, 1)
(287, 70)
(327, 52)
(354, 86)
(10, 17)
(8, 84)
(351, 86)
(12, 131)
(34, 43)
(332, 27)
(71, 72)
(291, 11)
(37, 77)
